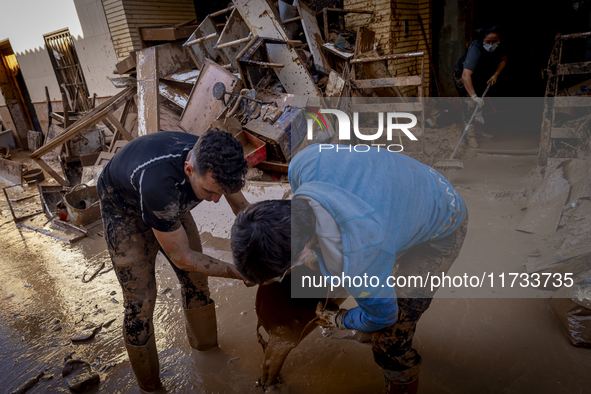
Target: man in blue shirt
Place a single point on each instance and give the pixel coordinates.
(365, 214)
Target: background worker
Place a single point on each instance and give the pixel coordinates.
(361, 213)
(147, 191)
(480, 66)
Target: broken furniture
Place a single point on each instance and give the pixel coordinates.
(26, 210)
(555, 71)
(294, 76)
(374, 66)
(326, 17)
(82, 204)
(254, 65)
(201, 44)
(254, 149)
(157, 34)
(307, 18)
(102, 113)
(202, 107)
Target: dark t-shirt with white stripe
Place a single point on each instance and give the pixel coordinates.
(146, 178)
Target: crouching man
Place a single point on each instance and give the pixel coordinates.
(147, 191)
(375, 213)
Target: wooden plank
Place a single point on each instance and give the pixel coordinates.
(147, 86)
(87, 120)
(235, 29)
(261, 21)
(119, 126)
(172, 58)
(386, 82)
(563, 132)
(273, 166)
(387, 57)
(312, 32)
(202, 108)
(51, 172)
(574, 101)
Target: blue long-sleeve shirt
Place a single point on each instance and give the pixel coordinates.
(383, 203)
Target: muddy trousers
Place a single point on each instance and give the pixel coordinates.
(392, 346)
(133, 249)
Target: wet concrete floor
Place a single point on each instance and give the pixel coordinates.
(490, 345)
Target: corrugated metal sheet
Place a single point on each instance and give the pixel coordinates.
(125, 16)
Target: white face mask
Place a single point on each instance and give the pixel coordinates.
(489, 47)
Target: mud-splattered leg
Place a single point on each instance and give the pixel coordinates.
(133, 248)
(198, 307)
(392, 346)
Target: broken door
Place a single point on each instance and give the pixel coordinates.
(68, 72)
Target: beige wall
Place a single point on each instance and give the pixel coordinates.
(96, 51)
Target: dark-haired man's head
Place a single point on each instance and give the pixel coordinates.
(269, 236)
(216, 165)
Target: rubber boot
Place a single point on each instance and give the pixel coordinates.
(202, 328)
(402, 388)
(402, 382)
(144, 362)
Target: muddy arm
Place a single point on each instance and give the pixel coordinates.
(176, 245)
(237, 202)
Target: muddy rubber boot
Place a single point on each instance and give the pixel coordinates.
(402, 388)
(402, 382)
(202, 328)
(144, 362)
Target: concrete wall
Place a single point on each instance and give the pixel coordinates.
(96, 51)
(38, 73)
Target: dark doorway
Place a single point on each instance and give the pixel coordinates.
(15, 93)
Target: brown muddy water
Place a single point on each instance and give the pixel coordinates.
(468, 345)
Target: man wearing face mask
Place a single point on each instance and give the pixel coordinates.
(480, 66)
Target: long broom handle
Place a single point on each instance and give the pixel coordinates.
(469, 124)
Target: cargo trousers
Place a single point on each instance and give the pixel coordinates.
(133, 248)
(392, 346)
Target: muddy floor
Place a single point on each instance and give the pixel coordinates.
(491, 345)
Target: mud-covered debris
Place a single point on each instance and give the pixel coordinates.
(28, 384)
(80, 376)
(233, 360)
(113, 293)
(73, 367)
(84, 382)
(108, 324)
(86, 336)
(164, 291)
(114, 301)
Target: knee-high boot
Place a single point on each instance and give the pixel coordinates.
(202, 328)
(144, 362)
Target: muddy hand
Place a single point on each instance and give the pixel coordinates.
(329, 318)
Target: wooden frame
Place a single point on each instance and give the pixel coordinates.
(101, 113)
(555, 70)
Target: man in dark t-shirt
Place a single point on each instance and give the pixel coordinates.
(147, 191)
